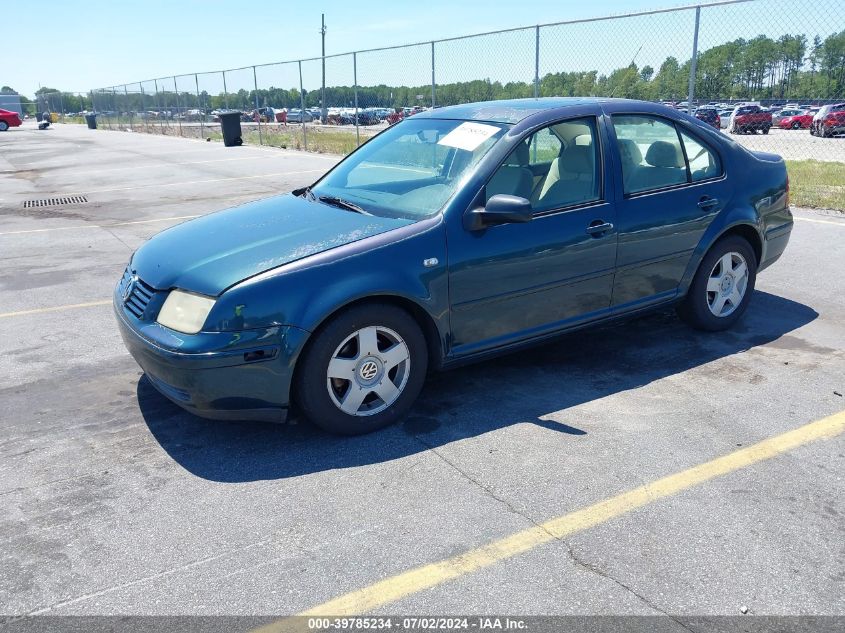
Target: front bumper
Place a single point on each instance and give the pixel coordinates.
(218, 375)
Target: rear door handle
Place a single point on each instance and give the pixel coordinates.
(707, 203)
(599, 227)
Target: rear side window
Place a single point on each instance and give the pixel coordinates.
(651, 153)
(655, 154)
(703, 162)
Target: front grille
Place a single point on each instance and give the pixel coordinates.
(139, 296)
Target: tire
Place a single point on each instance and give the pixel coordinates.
(766, 130)
(3, 126)
(796, 126)
(710, 292)
(336, 348)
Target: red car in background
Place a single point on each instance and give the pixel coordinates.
(8, 119)
(797, 121)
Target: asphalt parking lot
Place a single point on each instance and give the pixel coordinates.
(114, 501)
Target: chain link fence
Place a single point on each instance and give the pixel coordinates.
(774, 54)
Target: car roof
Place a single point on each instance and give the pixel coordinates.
(515, 110)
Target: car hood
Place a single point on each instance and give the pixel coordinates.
(216, 251)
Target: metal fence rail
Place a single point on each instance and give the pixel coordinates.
(767, 51)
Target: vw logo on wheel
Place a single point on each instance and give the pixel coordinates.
(368, 370)
(128, 288)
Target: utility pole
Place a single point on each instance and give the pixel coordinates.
(323, 109)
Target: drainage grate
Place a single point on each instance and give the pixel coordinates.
(54, 202)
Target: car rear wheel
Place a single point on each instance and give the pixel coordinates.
(766, 130)
(796, 125)
(3, 126)
(363, 370)
(722, 286)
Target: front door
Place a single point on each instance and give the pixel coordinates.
(516, 281)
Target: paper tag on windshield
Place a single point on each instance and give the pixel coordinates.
(468, 136)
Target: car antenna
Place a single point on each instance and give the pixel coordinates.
(633, 59)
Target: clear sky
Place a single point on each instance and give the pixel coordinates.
(76, 46)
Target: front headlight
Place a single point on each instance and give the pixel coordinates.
(184, 311)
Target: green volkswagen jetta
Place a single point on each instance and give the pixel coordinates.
(455, 235)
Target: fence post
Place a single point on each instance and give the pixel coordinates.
(114, 105)
(693, 61)
(176, 90)
(143, 112)
(158, 107)
(62, 106)
(257, 115)
(355, 90)
(225, 91)
(302, 108)
(433, 82)
(537, 62)
(199, 103)
(129, 109)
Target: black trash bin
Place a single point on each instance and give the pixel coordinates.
(91, 120)
(230, 123)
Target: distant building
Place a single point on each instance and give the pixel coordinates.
(11, 102)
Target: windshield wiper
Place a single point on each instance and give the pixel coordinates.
(342, 204)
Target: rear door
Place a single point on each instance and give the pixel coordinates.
(671, 184)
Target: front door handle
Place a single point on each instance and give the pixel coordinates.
(707, 203)
(598, 228)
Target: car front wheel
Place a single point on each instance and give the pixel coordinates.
(363, 370)
(3, 126)
(722, 286)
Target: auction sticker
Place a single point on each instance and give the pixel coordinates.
(468, 136)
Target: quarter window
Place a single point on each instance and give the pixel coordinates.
(651, 153)
(703, 162)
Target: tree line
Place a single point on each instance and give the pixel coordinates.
(789, 67)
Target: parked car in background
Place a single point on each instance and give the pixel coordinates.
(709, 115)
(797, 121)
(341, 295)
(368, 117)
(725, 118)
(299, 116)
(396, 116)
(829, 120)
(9, 119)
(748, 119)
(777, 115)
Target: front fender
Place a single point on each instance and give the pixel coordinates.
(308, 291)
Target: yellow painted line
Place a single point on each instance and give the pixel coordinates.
(100, 226)
(415, 580)
(203, 182)
(71, 306)
(842, 224)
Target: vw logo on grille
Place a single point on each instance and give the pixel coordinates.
(368, 370)
(129, 287)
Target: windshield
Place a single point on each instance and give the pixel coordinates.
(411, 169)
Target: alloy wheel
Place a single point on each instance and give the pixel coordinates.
(727, 284)
(368, 371)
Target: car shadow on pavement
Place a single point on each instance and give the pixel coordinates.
(518, 388)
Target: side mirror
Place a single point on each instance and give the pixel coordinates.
(500, 209)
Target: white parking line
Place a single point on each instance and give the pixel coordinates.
(842, 224)
(90, 304)
(100, 226)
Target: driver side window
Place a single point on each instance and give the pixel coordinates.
(556, 167)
